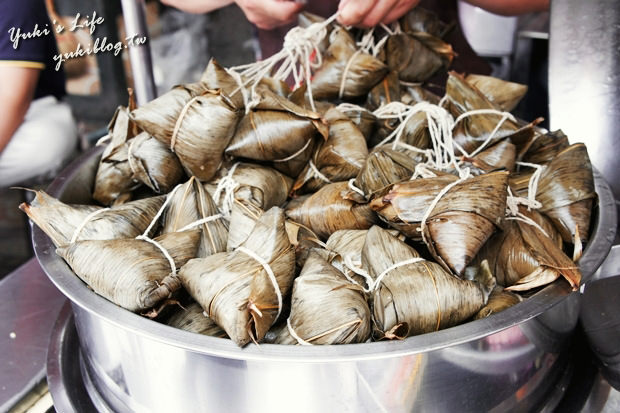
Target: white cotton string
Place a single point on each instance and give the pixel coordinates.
(422, 171)
(392, 267)
(272, 276)
(441, 193)
(443, 100)
(345, 73)
(299, 44)
(201, 221)
(532, 186)
(177, 125)
(352, 187)
(440, 124)
(296, 154)
(512, 210)
(228, 185)
(527, 220)
(350, 107)
(292, 332)
(103, 140)
(348, 262)
(161, 211)
(173, 267)
(85, 221)
(318, 173)
(241, 87)
(504, 117)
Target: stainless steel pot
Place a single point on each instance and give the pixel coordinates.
(511, 361)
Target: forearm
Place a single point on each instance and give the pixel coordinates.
(197, 6)
(13, 117)
(511, 7)
(17, 86)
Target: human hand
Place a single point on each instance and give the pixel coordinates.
(267, 14)
(368, 13)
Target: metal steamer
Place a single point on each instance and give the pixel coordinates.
(511, 361)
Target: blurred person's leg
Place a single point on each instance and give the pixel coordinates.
(43, 143)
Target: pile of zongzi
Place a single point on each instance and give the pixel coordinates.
(357, 206)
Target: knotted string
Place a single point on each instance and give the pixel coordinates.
(228, 185)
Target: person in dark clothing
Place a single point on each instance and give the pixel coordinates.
(37, 131)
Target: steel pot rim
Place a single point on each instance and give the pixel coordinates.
(75, 289)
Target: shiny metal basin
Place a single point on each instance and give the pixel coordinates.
(514, 360)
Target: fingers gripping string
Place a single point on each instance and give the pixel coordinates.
(271, 275)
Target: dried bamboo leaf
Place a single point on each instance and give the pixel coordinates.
(258, 184)
(384, 166)
(472, 131)
(153, 164)
(115, 179)
(503, 94)
(550, 256)
(510, 257)
(277, 130)
(216, 77)
(330, 209)
(131, 273)
(60, 221)
(236, 290)
(499, 300)
(546, 147)
(458, 225)
(190, 203)
(193, 319)
(337, 159)
(360, 70)
(363, 119)
(566, 191)
(243, 218)
(386, 91)
(326, 308)
(421, 296)
(501, 155)
(412, 58)
(197, 124)
(159, 116)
